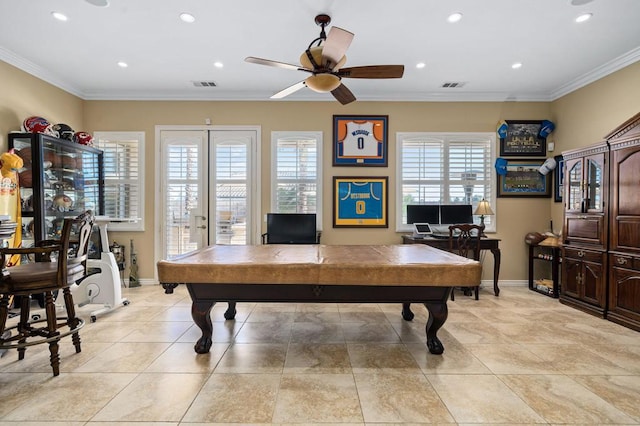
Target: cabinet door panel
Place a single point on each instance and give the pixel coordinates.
(626, 184)
(585, 229)
(573, 184)
(593, 283)
(570, 277)
(594, 183)
(625, 209)
(625, 291)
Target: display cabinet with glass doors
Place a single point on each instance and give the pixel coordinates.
(59, 179)
(585, 231)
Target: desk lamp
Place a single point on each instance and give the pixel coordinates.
(483, 209)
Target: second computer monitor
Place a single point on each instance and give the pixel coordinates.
(456, 213)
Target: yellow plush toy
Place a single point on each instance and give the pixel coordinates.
(10, 205)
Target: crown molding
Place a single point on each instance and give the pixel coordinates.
(596, 74)
(29, 67)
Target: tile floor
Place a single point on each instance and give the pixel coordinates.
(522, 358)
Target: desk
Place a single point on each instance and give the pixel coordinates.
(491, 244)
(319, 273)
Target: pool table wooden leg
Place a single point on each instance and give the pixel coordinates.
(230, 313)
(201, 314)
(407, 315)
(438, 313)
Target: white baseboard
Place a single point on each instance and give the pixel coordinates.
(142, 281)
(506, 283)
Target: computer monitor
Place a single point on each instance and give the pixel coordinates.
(423, 213)
(291, 228)
(456, 213)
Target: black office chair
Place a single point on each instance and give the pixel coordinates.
(291, 228)
(464, 239)
(285, 228)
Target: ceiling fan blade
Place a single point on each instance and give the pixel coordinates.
(271, 63)
(335, 46)
(372, 71)
(343, 95)
(289, 90)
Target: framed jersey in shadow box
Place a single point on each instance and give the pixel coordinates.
(360, 202)
(360, 140)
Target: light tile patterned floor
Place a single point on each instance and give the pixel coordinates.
(521, 358)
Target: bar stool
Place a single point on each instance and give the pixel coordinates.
(45, 276)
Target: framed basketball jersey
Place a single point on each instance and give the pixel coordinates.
(360, 202)
(360, 140)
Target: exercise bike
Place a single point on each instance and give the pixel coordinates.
(102, 285)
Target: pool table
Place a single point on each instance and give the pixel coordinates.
(319, 273)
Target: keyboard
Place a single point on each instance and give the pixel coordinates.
(440, 236)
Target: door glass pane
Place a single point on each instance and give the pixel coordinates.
(231, 188)
(181, 199)
(575, 181)
(594, 180)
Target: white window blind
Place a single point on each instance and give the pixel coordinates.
(296, 185)
(123, 178)
(445, 168)
(232, 183)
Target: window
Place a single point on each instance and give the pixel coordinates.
(445, 168)
(296, 178)
(123, 178)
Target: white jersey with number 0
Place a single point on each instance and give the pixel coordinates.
(360, 141)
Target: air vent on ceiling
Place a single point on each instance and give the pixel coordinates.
(204, 83)
(453, 84)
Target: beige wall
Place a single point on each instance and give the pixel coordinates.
(22, 96)
(516, 216)
(585, 116)
(272, 116)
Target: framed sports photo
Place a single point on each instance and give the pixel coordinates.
(524, 180)
(523, 139)
(360, 140)
(360, 202)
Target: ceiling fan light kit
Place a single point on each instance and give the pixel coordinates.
(322, 83)
(325, 61)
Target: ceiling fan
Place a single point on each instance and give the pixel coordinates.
(324, 62)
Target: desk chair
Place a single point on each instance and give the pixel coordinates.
(46, 276)
(465, 238)
(285, 228)
(291, 228)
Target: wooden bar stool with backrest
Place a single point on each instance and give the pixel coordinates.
(46, 276)
(463, 240)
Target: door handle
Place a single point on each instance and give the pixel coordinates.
(202, 226)
(202, 217)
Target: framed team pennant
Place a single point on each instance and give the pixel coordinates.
(360, 140)
(360, 202)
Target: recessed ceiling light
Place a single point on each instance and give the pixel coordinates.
(187, 17)
(580, 2)
(516, 65)
(420, 65)
(123, 64)
(454, 17)
(59, 16)
(99, 3)
(218, 64)
(584, 17)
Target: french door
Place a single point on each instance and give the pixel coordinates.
(207, 189)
